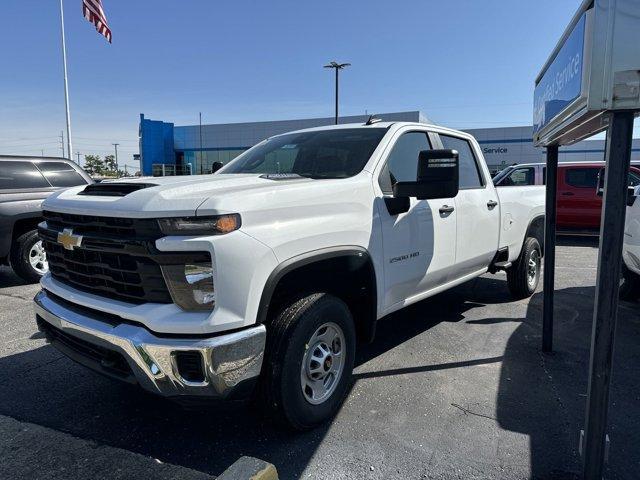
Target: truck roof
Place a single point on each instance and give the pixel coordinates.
(384, 125)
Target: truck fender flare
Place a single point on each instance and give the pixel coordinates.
(302, 260)
(531, 222)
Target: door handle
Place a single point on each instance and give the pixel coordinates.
(567, 194)
(446, 209)
(491, 204)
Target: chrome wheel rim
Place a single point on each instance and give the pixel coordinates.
(323, 363)
(38, 258)
(533, 268)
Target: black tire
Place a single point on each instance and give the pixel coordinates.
(629, 284)
(19, 257)
(519, 275)
(288, 337)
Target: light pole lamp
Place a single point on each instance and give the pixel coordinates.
(337, 66)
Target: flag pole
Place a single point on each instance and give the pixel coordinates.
(66, 84)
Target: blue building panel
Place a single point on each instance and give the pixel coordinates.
(156, 144)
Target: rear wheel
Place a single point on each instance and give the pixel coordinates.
(309, 361)
(629, 284)
(524, 275)
(28, 258)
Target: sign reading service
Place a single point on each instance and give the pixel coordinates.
(561, 83)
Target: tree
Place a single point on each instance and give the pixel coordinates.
(110, 164)
(94, 165)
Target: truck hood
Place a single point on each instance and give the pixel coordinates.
(174, 196)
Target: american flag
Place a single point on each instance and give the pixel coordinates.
(92, 11)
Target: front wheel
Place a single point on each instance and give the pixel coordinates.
(28, 258)
(524, 275)
(309, 361)
(629, 284)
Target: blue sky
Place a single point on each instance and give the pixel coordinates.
(464, 63)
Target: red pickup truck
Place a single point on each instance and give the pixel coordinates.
(579, 206)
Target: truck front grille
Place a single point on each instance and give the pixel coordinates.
(117, 257)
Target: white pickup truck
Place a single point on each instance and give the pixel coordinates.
(260, 280)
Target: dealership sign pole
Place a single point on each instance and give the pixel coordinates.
(589, 84)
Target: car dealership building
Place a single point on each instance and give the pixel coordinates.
(168, 149)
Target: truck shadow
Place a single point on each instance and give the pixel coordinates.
(540, 396)
(41, 386)
(9, 279)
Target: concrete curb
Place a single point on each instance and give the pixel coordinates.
(249, 468)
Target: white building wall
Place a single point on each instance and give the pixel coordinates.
(509, 145)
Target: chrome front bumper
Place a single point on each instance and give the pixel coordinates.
(230, 363)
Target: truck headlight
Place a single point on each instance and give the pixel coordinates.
(191, 285)
(213, 225)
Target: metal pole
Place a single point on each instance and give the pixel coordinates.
(618, 157)
(116, 147)
(201, 166)
(66, 84)
(78, 155)
(549, 248)
(62, 142)
(337, 70)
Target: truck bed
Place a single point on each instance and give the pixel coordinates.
(519, 206)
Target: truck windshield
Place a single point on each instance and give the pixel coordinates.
(338, 153)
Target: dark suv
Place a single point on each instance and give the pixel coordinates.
(24, 183)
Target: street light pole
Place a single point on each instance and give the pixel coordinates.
(115, 145)
(337, 66)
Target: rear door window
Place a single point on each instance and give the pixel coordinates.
(582, 177)
(16, 175)
(61, 174)
(65, 179)
(53, 166)
(470, 176)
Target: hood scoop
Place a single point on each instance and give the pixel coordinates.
(281, 176)
(114, 189)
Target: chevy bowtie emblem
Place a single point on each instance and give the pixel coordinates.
(68, 240)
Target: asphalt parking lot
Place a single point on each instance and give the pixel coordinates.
(453, 388)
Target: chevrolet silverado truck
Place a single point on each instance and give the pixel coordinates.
(260, 279)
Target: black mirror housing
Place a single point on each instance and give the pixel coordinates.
(437, 176)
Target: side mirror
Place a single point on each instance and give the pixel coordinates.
(215, 166)
(437, 176)
(631, 191)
